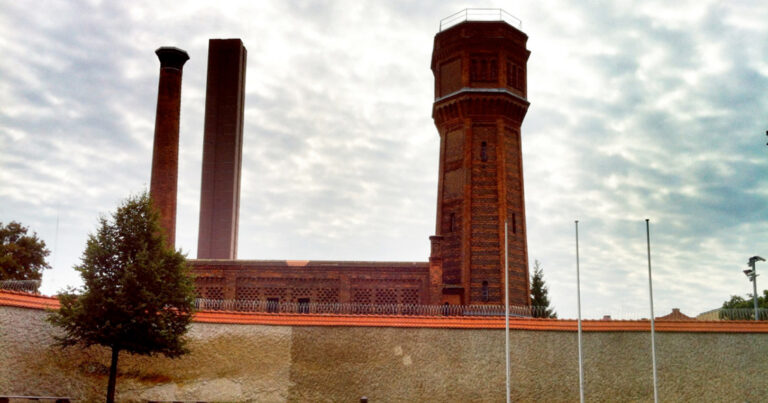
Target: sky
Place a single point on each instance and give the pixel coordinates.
(638, 110)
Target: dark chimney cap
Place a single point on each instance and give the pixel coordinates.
(172, 57)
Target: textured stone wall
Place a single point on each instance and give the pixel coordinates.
(313, 363)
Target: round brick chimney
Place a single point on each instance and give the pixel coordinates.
(165, 154)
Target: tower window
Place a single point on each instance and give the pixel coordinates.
(452, 223)
(514, 224)
(485, 291)
(515, 76)
(483, 68)
(484, 151)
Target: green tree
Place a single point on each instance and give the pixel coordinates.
(743, 308)
(539, 294)
(22, 256)
(138, 295)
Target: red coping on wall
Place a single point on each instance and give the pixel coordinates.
(24, 300)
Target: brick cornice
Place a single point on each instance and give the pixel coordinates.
(479, 103)
(479, 36)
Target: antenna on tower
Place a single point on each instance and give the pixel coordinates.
(56, 237)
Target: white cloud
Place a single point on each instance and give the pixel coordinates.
(636, 112)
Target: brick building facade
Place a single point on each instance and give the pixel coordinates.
(480, 102)
(315, 281)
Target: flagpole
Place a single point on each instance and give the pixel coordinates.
(653, 327)
(506, 305)
(578, 305)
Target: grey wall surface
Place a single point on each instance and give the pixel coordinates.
(282, 363)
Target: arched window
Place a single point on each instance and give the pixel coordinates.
(485, 291)
(484, 151)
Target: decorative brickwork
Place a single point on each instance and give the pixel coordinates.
(210, 287)
(409, 296)
(386, 296)
(327, 295)
(212, 292)
(248, 293)
(318, 282)
(362, 296)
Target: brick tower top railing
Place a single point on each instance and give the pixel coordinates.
(480, 14)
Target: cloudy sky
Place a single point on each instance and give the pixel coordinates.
(638, 110)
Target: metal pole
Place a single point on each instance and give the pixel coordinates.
(754, 288)
(653, 330)
(754, 285)
(578, 307)
(506, 303)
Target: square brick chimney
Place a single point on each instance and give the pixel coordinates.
(222, 150)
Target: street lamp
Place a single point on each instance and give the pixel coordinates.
(751, 273)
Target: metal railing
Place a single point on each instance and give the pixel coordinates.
(480, 14)
(363, 309)
(30, 286)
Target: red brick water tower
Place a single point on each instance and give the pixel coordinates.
(480, 103)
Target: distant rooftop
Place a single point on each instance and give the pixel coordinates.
(480, 14)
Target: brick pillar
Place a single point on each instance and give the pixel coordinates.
(230, 284)
(435, 271)
(222, 150)
(345, 289)
(165, 154)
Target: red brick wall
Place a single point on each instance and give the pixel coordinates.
(484, 240)
(320, 281)
(518, 250)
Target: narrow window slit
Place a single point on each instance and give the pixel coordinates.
(514, 224)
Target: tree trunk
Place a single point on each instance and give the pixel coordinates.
(112, 376)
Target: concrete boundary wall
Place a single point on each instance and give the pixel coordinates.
(267, 362)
